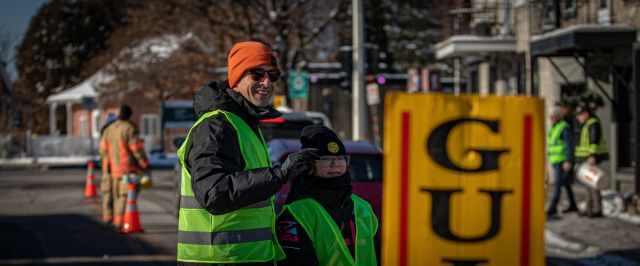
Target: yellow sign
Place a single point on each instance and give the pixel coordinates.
(463, 180)
(279, 101)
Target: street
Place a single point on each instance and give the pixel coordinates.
(44, 219)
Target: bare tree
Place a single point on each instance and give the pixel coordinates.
(8, 41)
(290, 27)
(161, 68)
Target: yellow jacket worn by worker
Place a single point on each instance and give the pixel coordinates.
(125, 155)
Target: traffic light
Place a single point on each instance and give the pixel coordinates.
(345, 58)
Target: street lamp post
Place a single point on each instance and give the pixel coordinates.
(358, 105)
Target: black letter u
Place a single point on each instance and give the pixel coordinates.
(440, 205)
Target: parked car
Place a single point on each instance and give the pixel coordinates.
(365, 166)
(288, 126)
(161, 160)
(318, 118)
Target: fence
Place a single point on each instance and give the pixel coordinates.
(62, 146)
(11, 147)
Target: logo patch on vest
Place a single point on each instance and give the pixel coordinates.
(287, 231)
(333, 147)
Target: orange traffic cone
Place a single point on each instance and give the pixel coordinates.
(90, 190)
(131, 219)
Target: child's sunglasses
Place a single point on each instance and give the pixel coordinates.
(258, 73)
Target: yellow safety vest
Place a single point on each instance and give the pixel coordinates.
(328, 242)
(557, 149)
(586, 148)
(241, 236)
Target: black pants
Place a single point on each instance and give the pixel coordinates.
(563, 179)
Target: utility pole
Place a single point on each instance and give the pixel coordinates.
(358, 106)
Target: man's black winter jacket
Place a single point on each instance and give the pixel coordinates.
(215, 162)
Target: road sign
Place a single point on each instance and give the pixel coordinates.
(464, 180)
(298, 85)
(373, 94)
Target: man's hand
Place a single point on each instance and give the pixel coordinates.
(298, 163)
(591, 160)
(566, 166)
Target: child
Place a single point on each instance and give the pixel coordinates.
(322, 221)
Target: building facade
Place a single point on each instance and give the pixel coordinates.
(554, 49)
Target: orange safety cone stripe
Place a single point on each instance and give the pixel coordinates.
(131, 223)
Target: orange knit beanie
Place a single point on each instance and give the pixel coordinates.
(247, 55)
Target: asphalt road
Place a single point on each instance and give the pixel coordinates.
(45, 219)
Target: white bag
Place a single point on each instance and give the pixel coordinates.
(592, 176)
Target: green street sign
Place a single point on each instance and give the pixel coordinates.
(298, 85)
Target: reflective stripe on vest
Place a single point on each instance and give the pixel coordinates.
(586, 148)
(242, 236)
(327, 239)
(556, 146)
(190, 202)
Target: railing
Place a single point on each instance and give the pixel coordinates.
(62, 146)
(547, 15)
(482, 18)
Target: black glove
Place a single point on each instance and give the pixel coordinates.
(298, 163)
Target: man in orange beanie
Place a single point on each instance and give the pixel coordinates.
(226, 202)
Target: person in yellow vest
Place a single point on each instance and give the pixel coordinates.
(228, 184)
(125, 153)
(591, 149)
(322, 222)
(560, 156)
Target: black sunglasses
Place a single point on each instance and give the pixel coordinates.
(258, 73)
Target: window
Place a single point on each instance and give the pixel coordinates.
(550, 15)
(569, 4)
(569, 9)
(366, 168)
(604, 4)
(150, 125)
(95, 123)
(604, 16)
(84, 131)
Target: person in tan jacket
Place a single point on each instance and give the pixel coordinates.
(105, 179)
(124, 151)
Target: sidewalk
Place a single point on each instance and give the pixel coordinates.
(43, 162)
(157, 161)
(610, 240)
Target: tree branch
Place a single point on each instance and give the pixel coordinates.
(332, 15)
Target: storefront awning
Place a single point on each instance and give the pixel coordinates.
(465, 45)
(581, 38)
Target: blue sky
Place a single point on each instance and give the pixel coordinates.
(15, 16)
